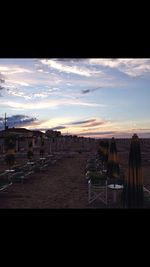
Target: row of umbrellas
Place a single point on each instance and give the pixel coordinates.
(133, 195)
(10, 150)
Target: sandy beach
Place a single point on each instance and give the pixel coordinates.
(63, 185)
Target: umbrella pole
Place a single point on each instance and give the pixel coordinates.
(115, 196)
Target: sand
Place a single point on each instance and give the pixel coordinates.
(64, 185)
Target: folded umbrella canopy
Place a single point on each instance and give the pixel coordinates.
(133, 188)
(42, 148)
(113, 169)
(103, 150)
(30, 151)
(10, 151)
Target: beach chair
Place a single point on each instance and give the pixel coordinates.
(97, 187)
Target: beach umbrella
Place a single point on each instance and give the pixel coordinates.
(42, 148)
(113, 169)
(103, 150)
(30, 151)
(100, 149)
(133, 188)
(10, 151)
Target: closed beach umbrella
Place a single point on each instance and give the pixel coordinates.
(101, 148)
(10, 151)
(42, 148)
(133, 188)
(113, 169)
(103, 151)
(106, 150)
(30, 151)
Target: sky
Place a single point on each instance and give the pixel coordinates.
(91, 97)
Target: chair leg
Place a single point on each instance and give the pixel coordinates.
(106, 195)
(97, 195)
(89, 193)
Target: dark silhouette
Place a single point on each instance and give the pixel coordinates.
(113, 169)
(10, 151)
(42, 148)
(133, 187)
(30, 151)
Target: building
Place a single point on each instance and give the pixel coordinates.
(22, 137)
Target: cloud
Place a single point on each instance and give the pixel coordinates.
(71, 59)
(68, 68)
(81, 122)
(140, 129)
(41, 95)
(59, 127)
(88, 104)
(132, 67)
(17, 120)
(96, 133)
(86, 91)
(2, 79)
(13, 91)
(20, 83)
(91, 67)
(98, 123)
(2, 87)
(13, 70)
(47, 104)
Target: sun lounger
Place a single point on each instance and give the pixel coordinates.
(21, 176)
(5, 186)
(4, 182)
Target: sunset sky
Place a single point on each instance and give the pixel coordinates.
(91, 97)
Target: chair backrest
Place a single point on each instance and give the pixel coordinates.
(98, 179)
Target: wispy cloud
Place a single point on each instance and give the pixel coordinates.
(13, 70)
(81, 122)
(62, 66)
(13, 91)
(48, 104)
(96, 123)
(88, 104)
(86, 91)
(132, 67)
(40, 95)
(97, 133)
(140, 129)
(19, 83)
(58, 127)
